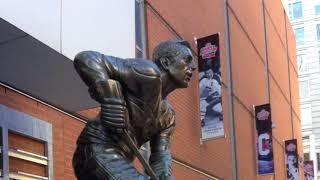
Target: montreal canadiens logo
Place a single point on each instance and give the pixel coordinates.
(263, 115)
(208, 51)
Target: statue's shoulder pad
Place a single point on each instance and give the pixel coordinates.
(145, 67)
(88, 55)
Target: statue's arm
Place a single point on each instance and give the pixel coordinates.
(95, 71)
(160, 159)
(99, 74)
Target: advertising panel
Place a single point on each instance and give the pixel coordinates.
(264, 139)
(211, 114)
(308, 170)
(292, 163)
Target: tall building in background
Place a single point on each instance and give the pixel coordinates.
(305, 20)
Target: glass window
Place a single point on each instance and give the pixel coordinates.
(299, 36)
(24, 150)
(319, 57)
(317, 9)
(306, 116)
(32, 149)
(300, 61)
(305, 137)
(295, 10)
(318, 32)
(306, 156)
(290, 11)
(318, 159)
(304, 89)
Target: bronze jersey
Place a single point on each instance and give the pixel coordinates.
(149, 114)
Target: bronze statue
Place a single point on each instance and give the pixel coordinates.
(134, 110)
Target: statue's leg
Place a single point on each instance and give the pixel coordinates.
(109, 164)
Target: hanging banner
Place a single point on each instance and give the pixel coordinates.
(308, 170)
(264, 139)
(292, 163)
(211, 114)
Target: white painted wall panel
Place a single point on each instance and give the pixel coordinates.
(107, 26)
(39, 18)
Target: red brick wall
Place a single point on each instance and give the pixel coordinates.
(65, 130)
(192, 20)
(248, 63)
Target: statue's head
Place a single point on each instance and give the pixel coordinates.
(175, 57)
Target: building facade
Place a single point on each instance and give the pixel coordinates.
(39, 85)
(305, 20)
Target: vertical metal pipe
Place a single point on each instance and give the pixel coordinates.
(266, 53)
(60, 42)
(266, 58)
(142, 10)
(143, 28)
(289, 75)
(230, 97)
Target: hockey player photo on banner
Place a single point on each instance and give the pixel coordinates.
(308, 170)
(264, 139)
(211, 114)
(292, 163)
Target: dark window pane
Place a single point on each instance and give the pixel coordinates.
(318, 158)
(306, 156)
(305, 137)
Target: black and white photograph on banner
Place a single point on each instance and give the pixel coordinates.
(292, 161)
(308, 170)
(264, 139)
(211, 113)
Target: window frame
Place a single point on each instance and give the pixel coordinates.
(318, 31)
(291, 8)
(315, 9)
(308, 88)
(28, 126)
(299, 43)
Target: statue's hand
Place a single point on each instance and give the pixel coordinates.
(113, 114)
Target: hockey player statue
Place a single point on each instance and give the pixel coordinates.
(134, 110)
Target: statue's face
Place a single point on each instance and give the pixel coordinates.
(181, 69)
